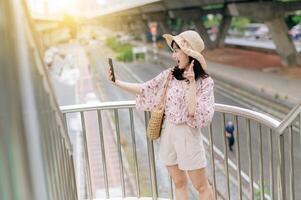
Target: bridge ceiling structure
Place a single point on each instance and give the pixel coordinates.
(153, 6)
(137, 13)
(134, 15)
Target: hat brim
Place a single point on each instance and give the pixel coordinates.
(194, 54)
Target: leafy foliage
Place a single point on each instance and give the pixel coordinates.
(123, 50)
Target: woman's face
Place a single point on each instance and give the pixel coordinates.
(181, 58)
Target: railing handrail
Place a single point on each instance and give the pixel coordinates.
(262, 119)
(98, 106)
(250, 114)
(242, 112)
(289, 118)
(39, 49)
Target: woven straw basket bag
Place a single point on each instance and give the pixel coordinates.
(156, 119)
(155, 124)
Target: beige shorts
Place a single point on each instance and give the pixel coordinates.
(182, 145)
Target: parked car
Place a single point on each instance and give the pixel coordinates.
(257, 31)
(295, 32)
(233, 32)
(50, 54)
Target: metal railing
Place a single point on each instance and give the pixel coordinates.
(36, 160)
(249, 173)
(290, 129)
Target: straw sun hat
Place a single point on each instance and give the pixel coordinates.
(191, 43)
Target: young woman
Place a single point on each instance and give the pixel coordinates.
(189, 106)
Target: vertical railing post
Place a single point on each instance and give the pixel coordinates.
(261, 173)
(74, 183)
(121, 168)
(281, 168)
(291, 162)
(270, 141)
(28, 101)
(250, 158)
(86, 156)
(151, 156)
(226, 165)
(238, 157)
(103, 154)
(212, 161)
(134, 149)
(171, 193)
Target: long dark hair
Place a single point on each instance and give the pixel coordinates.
(197, 68)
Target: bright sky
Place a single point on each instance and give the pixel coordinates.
(57, 7)
(81, 7)
(101, 2)
(68, 6)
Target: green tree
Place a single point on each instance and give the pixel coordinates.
(212, 20)
(238, 23)
(123, 50)
(297, 19)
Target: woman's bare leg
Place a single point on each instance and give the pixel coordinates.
(200, 182)
(179, 178)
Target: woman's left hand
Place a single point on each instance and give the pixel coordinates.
(189, 74)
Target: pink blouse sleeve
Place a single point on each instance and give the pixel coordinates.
(147, 99)
(204, 106)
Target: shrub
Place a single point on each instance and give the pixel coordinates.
(123, 50)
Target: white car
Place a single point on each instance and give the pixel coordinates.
(295, 32)
(49, 55)
(257, 31)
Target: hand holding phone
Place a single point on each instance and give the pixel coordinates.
(112, 69)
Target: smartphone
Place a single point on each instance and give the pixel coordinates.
(112, 69)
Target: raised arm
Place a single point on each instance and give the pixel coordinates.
(130, 87)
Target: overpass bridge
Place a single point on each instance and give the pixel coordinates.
(134, 16)
(36, 154)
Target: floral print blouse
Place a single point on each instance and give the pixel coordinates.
(176, 109)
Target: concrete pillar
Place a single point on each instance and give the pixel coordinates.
(164, 27)
(125, 27)
(143, 26)
(272, 14)
(116, 27)
(159, 17)
(120, 27)
(284, 45)
(203, 32)
(143, 29)
(132, 28)
(182, 25)
(118, 24)
(140, 28)
(222, 32)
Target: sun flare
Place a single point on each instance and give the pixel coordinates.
(54, 7)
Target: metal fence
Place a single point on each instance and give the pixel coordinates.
(35, 151)
(36, 155)
(254, 171)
